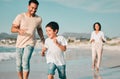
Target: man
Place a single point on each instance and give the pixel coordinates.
(25, 25)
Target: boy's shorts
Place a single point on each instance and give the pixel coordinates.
(61, 70)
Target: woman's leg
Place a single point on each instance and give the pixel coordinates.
(99, 56)
(94, 55)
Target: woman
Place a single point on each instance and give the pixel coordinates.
(97, 39)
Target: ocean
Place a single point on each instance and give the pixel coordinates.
(8, 53)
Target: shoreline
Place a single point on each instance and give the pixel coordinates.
(78, 63)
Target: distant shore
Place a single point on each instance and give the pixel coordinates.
(110, 45)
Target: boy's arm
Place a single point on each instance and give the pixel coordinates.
(63, 48)
(43, 51)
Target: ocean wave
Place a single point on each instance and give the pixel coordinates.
(4, 56)
(7, 56)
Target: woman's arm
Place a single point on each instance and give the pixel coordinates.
(103, 38)
(92, 38)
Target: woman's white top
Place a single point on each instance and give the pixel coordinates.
(98, 40)
(98, 37)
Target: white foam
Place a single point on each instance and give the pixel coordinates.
(7, 56)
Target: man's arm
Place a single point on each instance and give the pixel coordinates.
(40, 33)
(16, 29)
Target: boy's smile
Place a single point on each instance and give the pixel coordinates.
(51, 33)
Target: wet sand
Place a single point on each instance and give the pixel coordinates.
(78, 65)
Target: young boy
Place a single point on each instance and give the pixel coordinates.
(55, 46)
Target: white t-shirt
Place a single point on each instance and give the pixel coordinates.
(54, 54)
(98, 37)
(29, 24)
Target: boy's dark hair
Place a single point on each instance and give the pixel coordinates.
(53, 25)
(98, 24)
(33, 1)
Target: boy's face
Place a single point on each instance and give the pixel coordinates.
(32, 8)
(50, 32)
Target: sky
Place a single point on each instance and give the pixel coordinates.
(77, 16)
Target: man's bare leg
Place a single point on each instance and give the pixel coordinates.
(20, 75)
(25, 75)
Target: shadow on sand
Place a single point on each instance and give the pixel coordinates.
(115, 67)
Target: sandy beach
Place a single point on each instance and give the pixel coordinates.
(78, 64)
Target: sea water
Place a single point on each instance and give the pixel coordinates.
(8, 52)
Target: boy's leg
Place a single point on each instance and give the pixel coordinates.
(62, 71)
(26, 61)
(51, 70)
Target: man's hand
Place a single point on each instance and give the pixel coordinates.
(21, 32)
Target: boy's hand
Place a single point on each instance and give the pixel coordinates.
(55, 41)
(42, 53)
